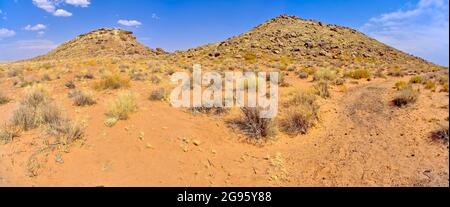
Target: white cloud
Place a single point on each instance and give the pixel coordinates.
(80, 3)
(40, 33)
(24, 49)
(155, 16)
(53, 6)
(129, 23)
(47, 5)
(62, 13)
(422, 30)
(6, 33)
(36, 27)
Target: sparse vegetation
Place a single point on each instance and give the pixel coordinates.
(302, 114)
(400, 85)
(322, 89)
(406, 97)
(444, 88)
(359, 74)
(441, 134)
(158, 94)
(430, 85)
(121, 107)
(70, 85)
(325, 75)
(112, 81)
(8, 133)
(81, 98)
(3, 98)
(253, 125)
(14, 72)
(36, 109)
(416, 80)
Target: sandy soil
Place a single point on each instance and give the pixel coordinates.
(361, 140)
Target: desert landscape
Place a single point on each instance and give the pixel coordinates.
(353, 111)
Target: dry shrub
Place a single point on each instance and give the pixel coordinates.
(401, 85)
(81, 98)
(359, 74)
(8, 133)
(322, 89)
(209, 110)
(301, 116)
(3, 98)
(444, 88)
(396, 72)
(325, 75)
(406, 97)
(441, 134)
(158, 94)
(416, 80)
(37, 109)
(112, 81)
(70, 85)
(121, 107)
(66, 131)
(430, 85)
(14, 72)
(253, 125)
(303, 75)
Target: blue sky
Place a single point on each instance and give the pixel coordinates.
(32, 27)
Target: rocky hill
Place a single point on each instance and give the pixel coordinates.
(305, 42)
(101, 43)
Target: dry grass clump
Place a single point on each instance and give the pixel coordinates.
(37, 109)
(322, 89)
(209, 110)
(82, 98)
(416, 80)
(112, 81)
(444, 88)
(70, 85)
(325, 75)
(396, 72)
(253, 125)
(401, 85)
(359, 74)
(430, 85)
(303, 75)
(14, 72)
(8, 133)
(159, 94)
(301, 115)
(121, 107)
(3, 98)
(406, 97)
(441, 134)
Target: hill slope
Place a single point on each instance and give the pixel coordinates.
(101, 43)
(306, 42)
